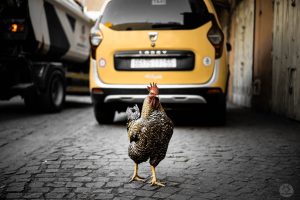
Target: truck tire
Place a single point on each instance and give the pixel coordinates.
(53, 98)
(31, 99)
(104, 114)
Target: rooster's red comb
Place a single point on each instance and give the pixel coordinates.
(153, 88)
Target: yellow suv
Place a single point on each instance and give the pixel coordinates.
(178, 44)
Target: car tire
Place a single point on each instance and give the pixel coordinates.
(104, 114)
(221, 115)
(218, 111)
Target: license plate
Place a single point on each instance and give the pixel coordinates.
(153, 63)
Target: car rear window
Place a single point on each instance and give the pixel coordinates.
(155, 14)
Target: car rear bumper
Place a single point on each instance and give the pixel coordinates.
(174, 98)
(169, 97)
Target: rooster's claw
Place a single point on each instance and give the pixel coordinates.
(156, 183)
(137, 178)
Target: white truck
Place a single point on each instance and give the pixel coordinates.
(44, 51)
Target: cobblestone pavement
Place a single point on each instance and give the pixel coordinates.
(69, 156)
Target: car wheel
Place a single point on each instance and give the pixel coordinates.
(218, 108)
(104, 114)
(220, 115)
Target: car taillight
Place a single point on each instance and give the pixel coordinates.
(96, 38)
(216, 38)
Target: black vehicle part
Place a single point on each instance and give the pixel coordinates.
(217, 109)
(31, 98)
(50, 88)
(185, 59)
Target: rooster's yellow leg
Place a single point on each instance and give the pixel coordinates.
(135, 176)
(154, 181)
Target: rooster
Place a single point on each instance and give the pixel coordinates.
(149, 133)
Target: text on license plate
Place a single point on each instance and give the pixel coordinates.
(153, 63)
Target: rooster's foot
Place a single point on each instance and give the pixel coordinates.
(154, 182)
(137, 178)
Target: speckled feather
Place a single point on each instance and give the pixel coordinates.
(150, 135)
